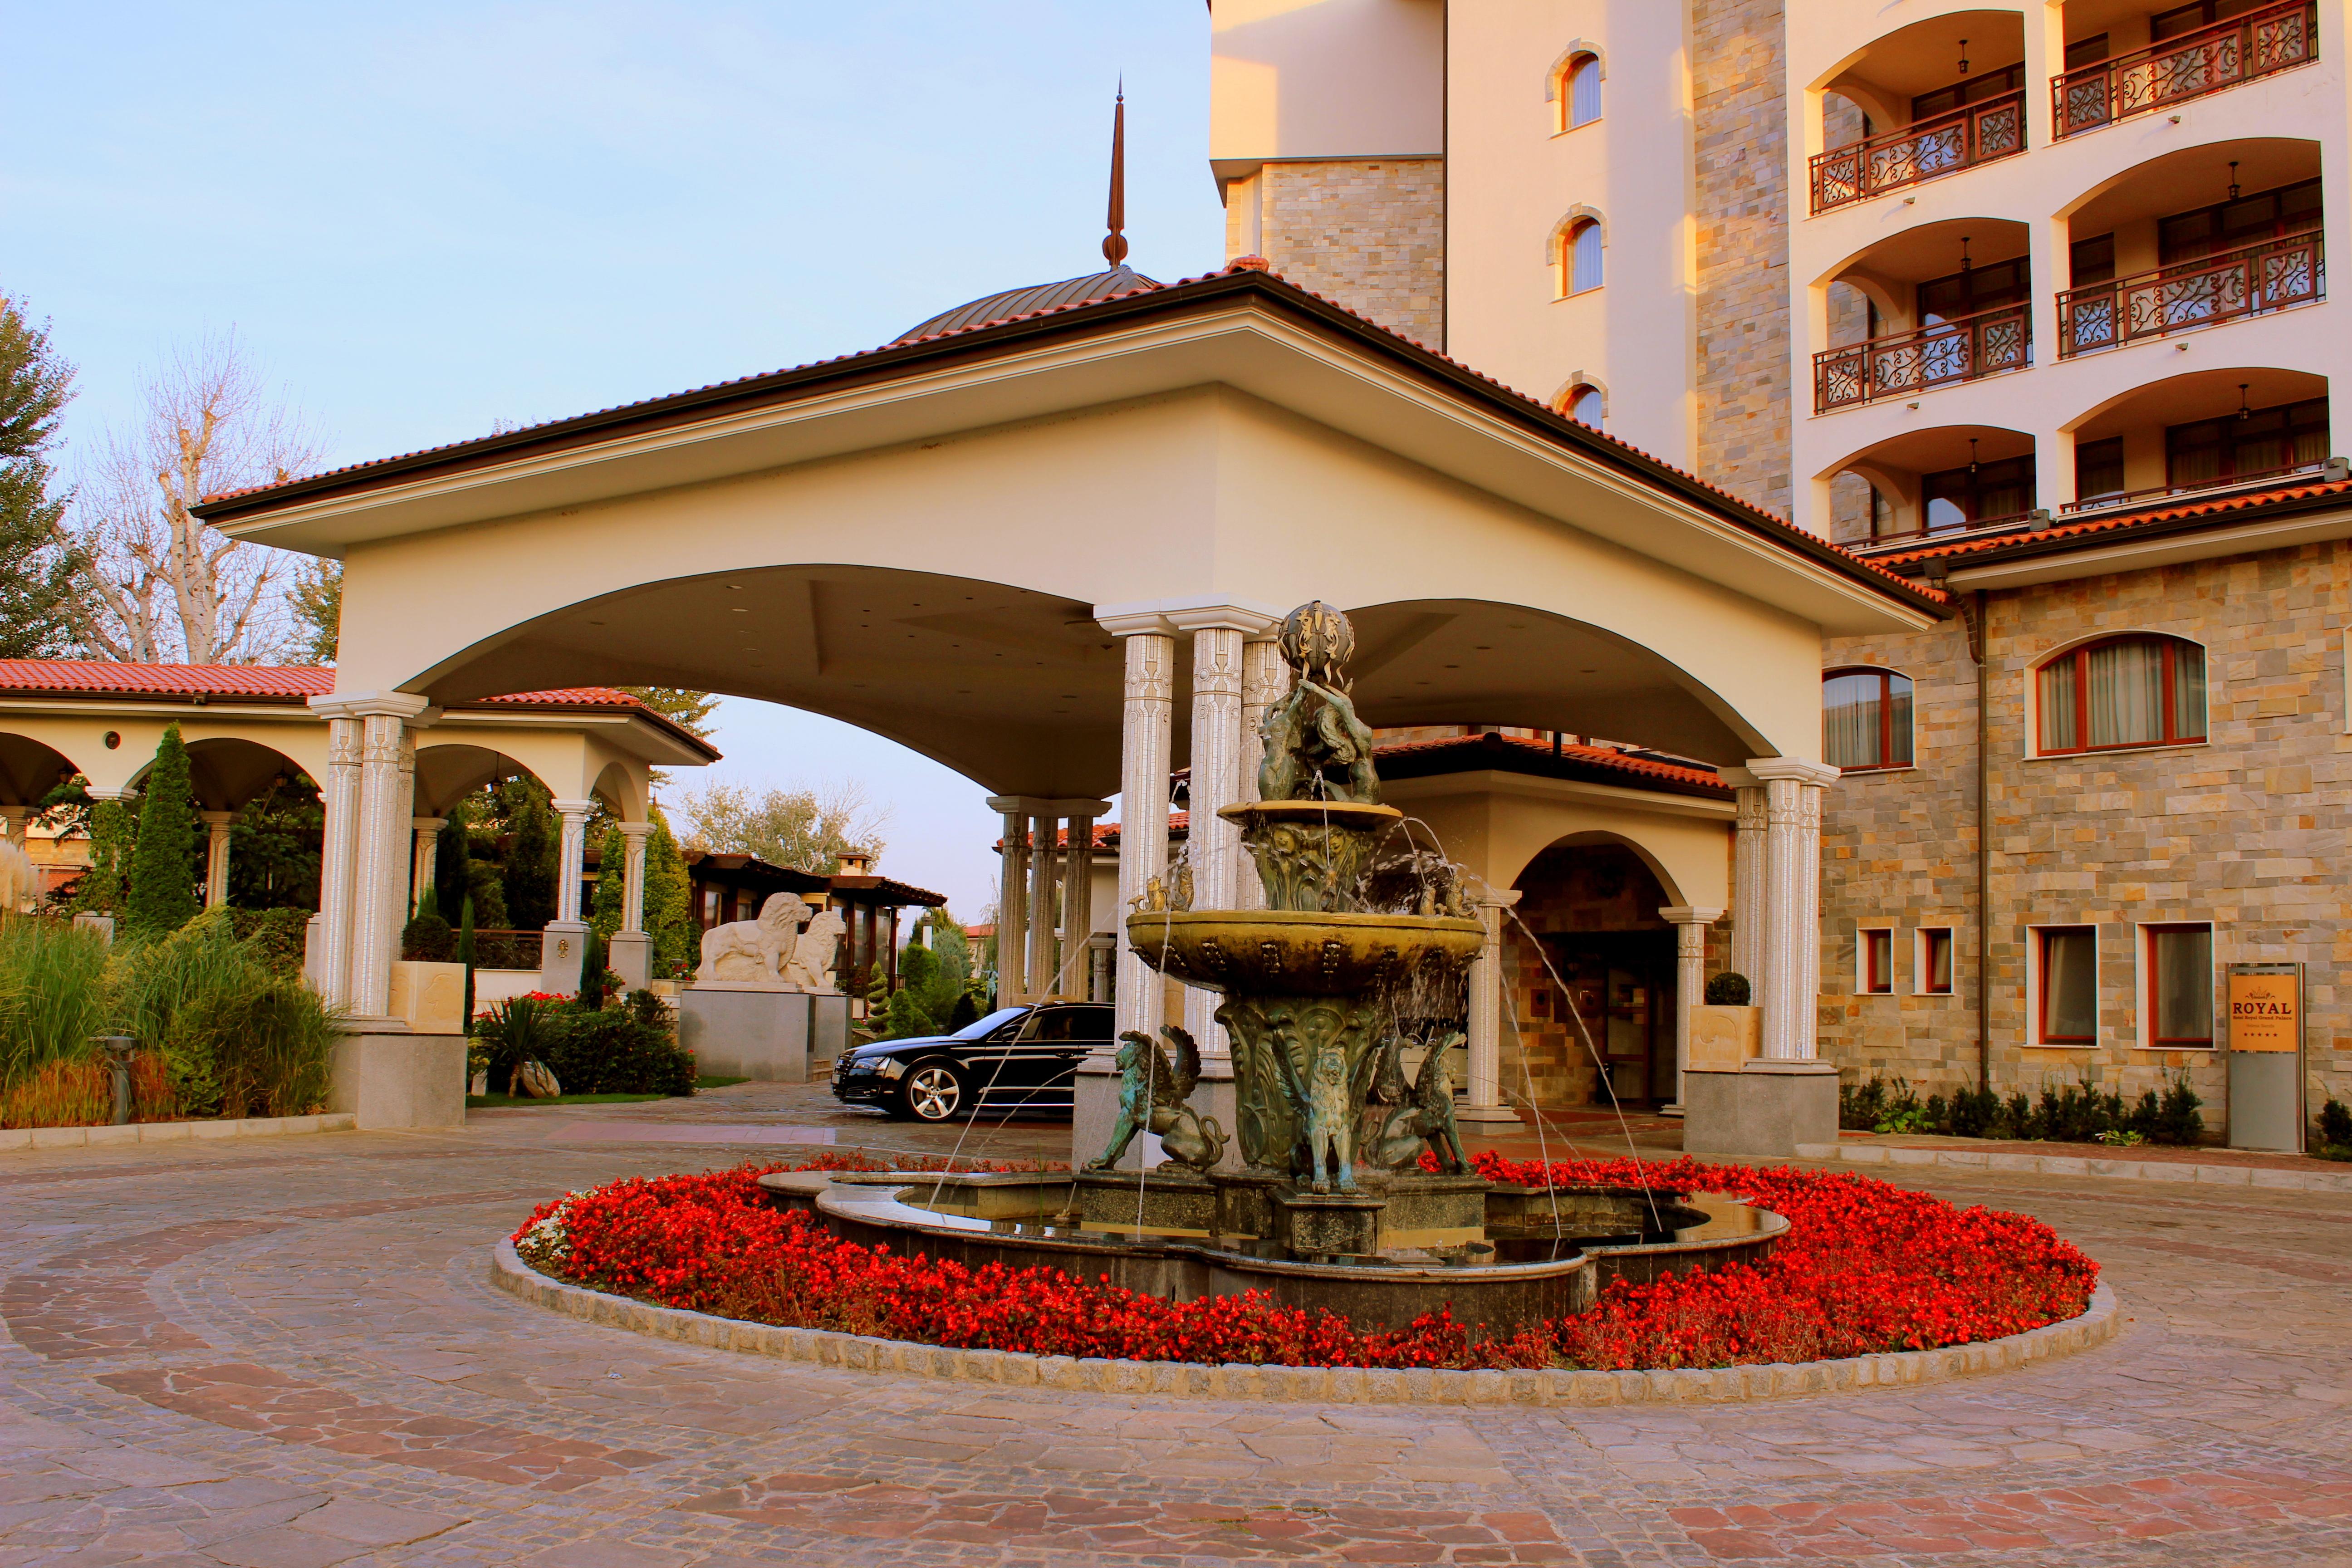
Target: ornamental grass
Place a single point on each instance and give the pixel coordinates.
(1866, 1267)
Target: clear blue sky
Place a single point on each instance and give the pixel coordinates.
(424, 218)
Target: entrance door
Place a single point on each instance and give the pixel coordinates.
(1622, 986)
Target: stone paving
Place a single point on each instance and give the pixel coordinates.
(282, 1353)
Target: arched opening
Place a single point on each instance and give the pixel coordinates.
(1951, 480)
(2207, 431)
(1927, 308)
(1866, 718)
(2129, 691)
(1588, 405)
(1935, 97)
(1590, 968)
(2207, 236)
(1582, 258)
(1581, 91)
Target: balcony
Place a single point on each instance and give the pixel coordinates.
(2243, 49)
(2275, 275)
(2329, 470)
(1978, 133)
(1905, 363)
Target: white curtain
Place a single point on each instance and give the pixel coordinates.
(2183, 984)
(2126, 691)
(1585, 259)
(1584, 93)
(2059, 729)
(2070, 989)
(2188, 691)
(1849, 722)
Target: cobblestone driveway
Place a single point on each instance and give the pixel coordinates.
(280, 1353)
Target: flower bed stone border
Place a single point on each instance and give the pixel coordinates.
(1328, 1386)
(2079, 1165)
(12, 1138)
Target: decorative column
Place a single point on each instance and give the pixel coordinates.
(1265, 679)
(1076, 978)
(328, 961)
(632, 948)
(1690, 981)
(428, 844)
(1214, 844)
(1044, 831)
(562, 946)
(1146, 720)
(1012, 901)
(1791, 955)
(1485, 1098)
(216, 857)
(384, 793)
(1747, 878)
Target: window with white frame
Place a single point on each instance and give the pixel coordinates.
(2138, 691)
(2177, 986)
(1931, 960)
(2065, 980)
(1874, 962)
(1584, 91)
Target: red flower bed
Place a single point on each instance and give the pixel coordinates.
(1866, 1267)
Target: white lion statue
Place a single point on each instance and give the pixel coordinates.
(755, 950)
(811, 965)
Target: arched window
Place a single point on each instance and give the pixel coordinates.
(1584, 91)
(1865, 718)
(1582, 256)
(1586, 405)
(2138, 690)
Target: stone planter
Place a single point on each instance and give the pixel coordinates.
(1725, 1039)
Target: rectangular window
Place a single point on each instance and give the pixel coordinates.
(2259, 441)
(1934, 961)
(2133, 692)
(1877, 957)
(709, 907)
(1981, 492)
(2092, 260)
(2179, 970)
(2067, 963)
(2235, 225)
(2084, 52)
(2099, 467)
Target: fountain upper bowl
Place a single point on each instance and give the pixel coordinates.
(1300, 953)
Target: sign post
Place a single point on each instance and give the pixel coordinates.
(2267, 1057)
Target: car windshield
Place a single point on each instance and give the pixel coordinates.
(990, 1024)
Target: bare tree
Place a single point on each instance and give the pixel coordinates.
(164, 586)
(804, 828)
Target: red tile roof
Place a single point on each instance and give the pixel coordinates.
(263, 682)
(1780, 529)
(2227, 507)
(1602, 759)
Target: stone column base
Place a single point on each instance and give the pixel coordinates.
(1763, 1110)
(397, 1079)
(562, 947)
(630, 955)
(746, 1031)
(1467, 1115)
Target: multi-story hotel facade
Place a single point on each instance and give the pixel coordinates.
(2028, 302)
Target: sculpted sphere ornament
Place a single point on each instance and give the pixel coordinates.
(1317, 642)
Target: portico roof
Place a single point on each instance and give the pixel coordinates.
(1246, 327)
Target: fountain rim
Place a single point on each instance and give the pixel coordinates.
(1337, 813)
(1308, 918)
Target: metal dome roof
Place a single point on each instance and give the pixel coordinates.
(1119, 279)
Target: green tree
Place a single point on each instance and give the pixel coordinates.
(669, 901)
(315, 598)
(275, 846)
(690, 711)
(162, 895)
(530, 854)
(36, 564)
(808, 829)
(612, 881)
(100, 890)
(452, 851)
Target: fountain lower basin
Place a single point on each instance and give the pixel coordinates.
(1538, 1253)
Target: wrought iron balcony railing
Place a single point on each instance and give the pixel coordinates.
(2190, 66)
(2272, 276)
(1983, 345)
(1977, 134)
(2325, 468)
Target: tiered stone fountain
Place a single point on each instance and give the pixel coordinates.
(1325, 990)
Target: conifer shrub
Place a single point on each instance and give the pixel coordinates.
(163, 884)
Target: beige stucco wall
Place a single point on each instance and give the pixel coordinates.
(1325, 79)
(1496, 823)
(1209, 492)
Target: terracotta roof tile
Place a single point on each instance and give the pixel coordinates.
(2128, 521)
(1602, 757)
(268, 682)
(1250, 264)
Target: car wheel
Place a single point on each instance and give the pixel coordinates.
(934, 1092)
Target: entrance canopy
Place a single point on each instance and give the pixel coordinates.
(925, 540)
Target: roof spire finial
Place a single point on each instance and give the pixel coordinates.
(1114, 244)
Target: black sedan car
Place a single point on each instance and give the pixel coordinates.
(1016, 1059)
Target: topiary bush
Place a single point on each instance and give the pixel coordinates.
(1728, 989)
(615, 1050)
(162, 895)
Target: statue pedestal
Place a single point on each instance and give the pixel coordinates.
(1346, 1224)
(1172, 1198)
(1763, 1109)
(630, 955)
(828, 1026)
(744, 1029)
(391, 1079)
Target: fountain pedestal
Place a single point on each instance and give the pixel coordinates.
(1327, 1224)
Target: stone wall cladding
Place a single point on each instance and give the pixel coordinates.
(1369, 234)
(1741, 182)
(2247, 831)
